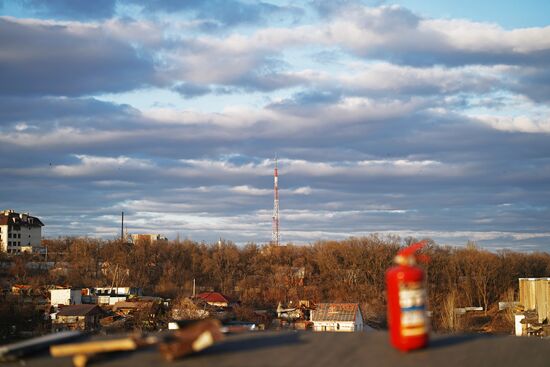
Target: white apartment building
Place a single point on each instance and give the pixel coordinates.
(19, 232)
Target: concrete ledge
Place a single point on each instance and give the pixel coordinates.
(294, 349)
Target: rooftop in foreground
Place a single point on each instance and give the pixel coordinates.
(340, 349)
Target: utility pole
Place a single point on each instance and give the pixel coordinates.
(122, 228)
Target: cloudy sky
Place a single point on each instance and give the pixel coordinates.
(415, 118)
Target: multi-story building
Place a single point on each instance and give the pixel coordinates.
(19, 232)
(148, 238)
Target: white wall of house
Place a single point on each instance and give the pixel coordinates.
(115, 299)
(118, 291)
(344, 326)
(110, 300)
(518, 326)
(66, 296)
(333, 326)
(4, 238)
(218, 304)
(103, 300)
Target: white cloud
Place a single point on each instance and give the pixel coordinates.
(141, 32)
(22, 126)
(523, 124)
(305, 190)
(364, 31)
(247, 190)
(387, 77)
(229, 117)
(114, 183)
(254, 191)
(93, 165)
(491, 38)
(395, 29)
(300, 168)
(70, 137)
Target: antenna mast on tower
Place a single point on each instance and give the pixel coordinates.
(275, 236)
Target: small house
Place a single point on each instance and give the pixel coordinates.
(136, 306)
(214, 299)
(144, 314)
(337, 317)
(78, 317)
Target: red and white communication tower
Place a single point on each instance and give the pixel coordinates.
(275, 235)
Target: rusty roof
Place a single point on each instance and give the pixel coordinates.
(79, 310)
(335, 312)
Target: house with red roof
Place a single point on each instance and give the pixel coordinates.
(214, 299)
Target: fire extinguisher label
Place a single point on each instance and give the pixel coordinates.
(412, 300)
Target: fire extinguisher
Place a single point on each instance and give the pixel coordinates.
(406, 295)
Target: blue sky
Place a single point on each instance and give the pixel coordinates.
(507, 13)
(409, 118)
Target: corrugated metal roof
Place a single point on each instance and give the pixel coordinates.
(335, 312)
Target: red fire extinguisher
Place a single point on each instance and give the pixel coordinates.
(407, 301)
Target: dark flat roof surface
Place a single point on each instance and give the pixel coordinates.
(294, 349)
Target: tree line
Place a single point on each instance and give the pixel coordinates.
(260, 276)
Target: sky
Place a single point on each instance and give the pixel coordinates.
(408, 118)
